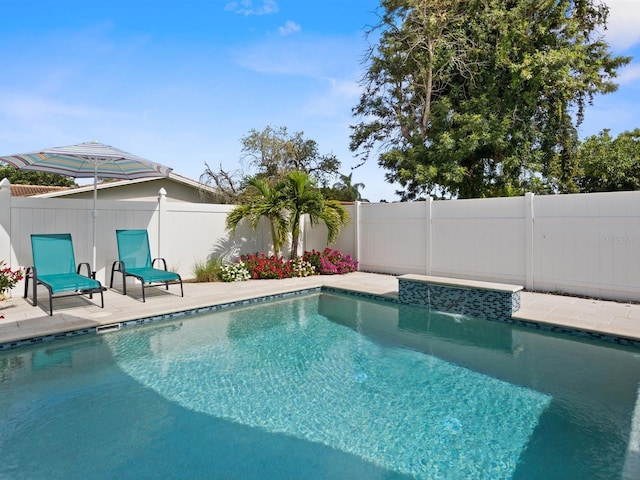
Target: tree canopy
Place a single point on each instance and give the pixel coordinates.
(344, 190)
(471, 98)
(608, 164)
(274, 152)
(270, 154)
(26, 177)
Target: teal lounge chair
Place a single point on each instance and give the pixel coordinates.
(134, 257)
(54, 267)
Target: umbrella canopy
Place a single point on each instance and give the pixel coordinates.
(88, 160)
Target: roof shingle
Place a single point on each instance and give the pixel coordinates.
(29, 190)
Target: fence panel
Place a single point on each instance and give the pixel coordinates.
(393, 237)
(479, 239)
(588, 244)
(316, 237)
(41, 215)
(194, 232)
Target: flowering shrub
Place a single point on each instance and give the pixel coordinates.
(263, 267)
(301, 268)
(8, 279)
(236, 272)
(330, 262)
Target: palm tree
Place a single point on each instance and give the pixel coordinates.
(266, 202)
(302, 198)
(349, 192)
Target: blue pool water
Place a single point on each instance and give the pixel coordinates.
(321, 386)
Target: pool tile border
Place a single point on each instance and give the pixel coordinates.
(46, 338)
(576, 332)
(155, 318)
(543, 327)
(219, 307)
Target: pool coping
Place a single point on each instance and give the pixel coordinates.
(544, 326)
(462, 283)
(160, 317)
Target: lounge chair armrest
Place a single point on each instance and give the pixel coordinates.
(164, 262)
(30, 272)
(89, 272)
(118, 266)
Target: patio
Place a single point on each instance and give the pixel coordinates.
(22, 321)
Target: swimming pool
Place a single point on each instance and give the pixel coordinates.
(320, 386)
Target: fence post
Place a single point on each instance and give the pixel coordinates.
(428, 214)
(162, 208)
(5, 222)
(357, 233)
(529, 219)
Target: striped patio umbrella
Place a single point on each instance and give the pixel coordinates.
(88, 160)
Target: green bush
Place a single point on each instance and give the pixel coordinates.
(208, 271)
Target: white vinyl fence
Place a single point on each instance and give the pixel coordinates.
(587, 244)
(182, 233)
(584, 244)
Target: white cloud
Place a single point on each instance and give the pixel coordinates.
(288, 28)
(629, 74)
(332, 102)
(246, 7)
(310, 57)
(623, 24)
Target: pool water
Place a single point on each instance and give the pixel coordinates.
(316, 387)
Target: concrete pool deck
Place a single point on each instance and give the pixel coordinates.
(22, 321)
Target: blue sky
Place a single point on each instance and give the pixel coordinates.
(181, 82)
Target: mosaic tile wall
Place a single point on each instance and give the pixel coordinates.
(479, 303)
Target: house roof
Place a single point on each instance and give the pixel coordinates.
(119, 183)
(18, 190)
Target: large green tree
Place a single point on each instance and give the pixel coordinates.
(608, 164)
(275, 152)
(271, 153)
(26, 177)
(470, 98)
